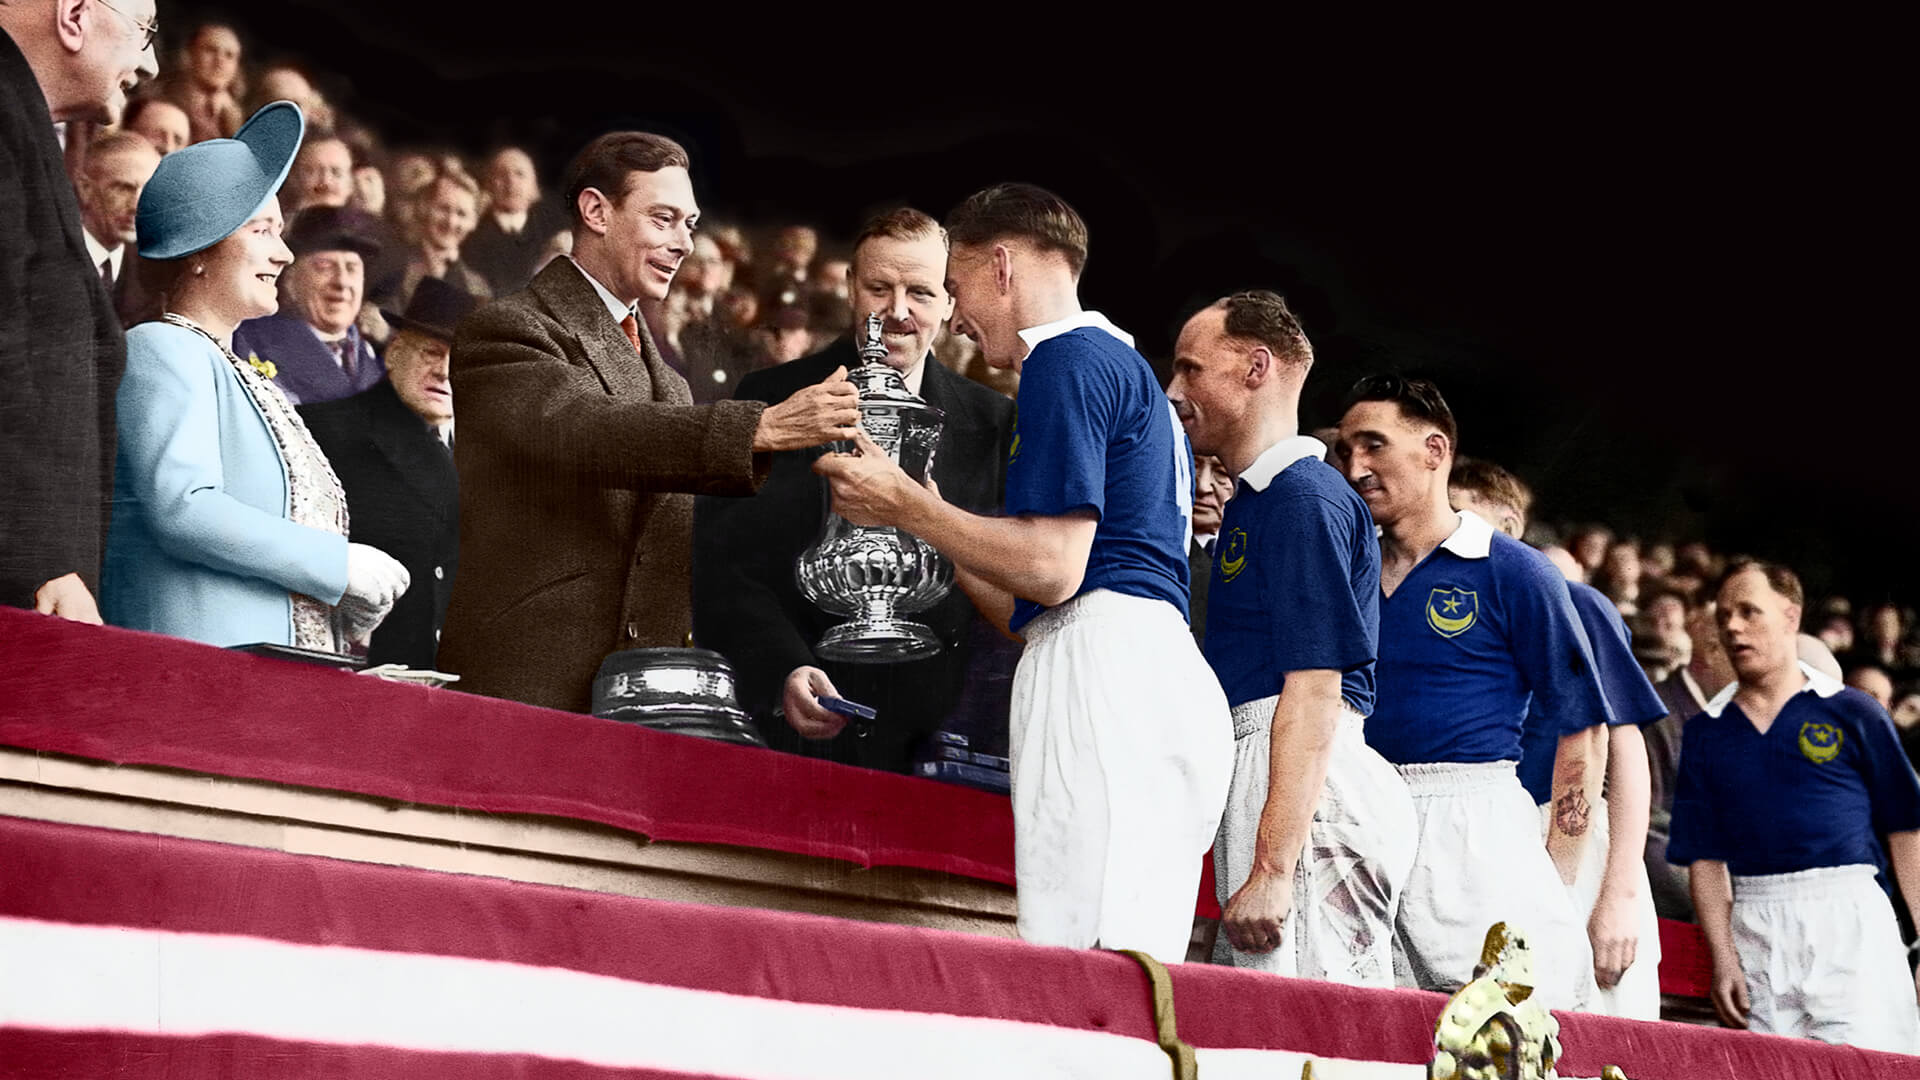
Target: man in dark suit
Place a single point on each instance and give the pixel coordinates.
(514, 232)
(580, 450)
(747, 603)
(392, 447)
(1211, 489)
(61, 349)
(313, 343)
(117, 168)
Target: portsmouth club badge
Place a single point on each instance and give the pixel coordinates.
(1819, 742)
(1233, 557)
(1452, 612)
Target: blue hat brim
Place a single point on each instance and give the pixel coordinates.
(201, 194)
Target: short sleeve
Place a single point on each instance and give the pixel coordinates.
(1891, 783)
(1694, 834)
(1065, 413)
(1548, 640)
(1317, 620)
(1631, 697)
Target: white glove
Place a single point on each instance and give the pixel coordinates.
(375, 579)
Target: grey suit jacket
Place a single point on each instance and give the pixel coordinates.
(578, 460)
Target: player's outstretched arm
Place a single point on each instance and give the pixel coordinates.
(1712, 892)
(1042, 559)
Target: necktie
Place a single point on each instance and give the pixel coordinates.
(344, 350)
(106, 273)
(632, 326)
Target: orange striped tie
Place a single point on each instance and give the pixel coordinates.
(632, 326)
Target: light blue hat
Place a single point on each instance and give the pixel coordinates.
(200, 194)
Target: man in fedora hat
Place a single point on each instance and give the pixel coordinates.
(392, 447)
(311, 348)
(61, 350)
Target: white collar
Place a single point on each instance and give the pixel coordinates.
(98, 252)
(615, 308)
(1818, 681)
(1034, 335)
(1279, 457)
(915, 377)
(1472, 538)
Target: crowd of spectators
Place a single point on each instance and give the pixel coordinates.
(745, 299)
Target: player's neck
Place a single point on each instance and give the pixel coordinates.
(1761, 698)
(1414, 536)
(1265, 429)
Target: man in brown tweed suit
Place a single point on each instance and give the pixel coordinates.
(580, 450)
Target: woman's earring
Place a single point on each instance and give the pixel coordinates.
(199, 270)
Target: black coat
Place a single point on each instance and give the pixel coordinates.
(61, 357)
(748, 606)
(403, 497)
(507, 262)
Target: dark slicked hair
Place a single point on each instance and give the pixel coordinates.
(607, 162)
(1418, 399)
(1262, 316)
(1492, 483)
(1025, 211)
(1783, 580)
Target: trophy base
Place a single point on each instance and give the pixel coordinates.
(878, 641)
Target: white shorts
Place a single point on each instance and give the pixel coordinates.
(1637, 995)
(1481, 862)
(1122, 750)
(1823, 959)
(1359, 851)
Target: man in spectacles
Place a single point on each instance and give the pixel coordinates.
(60, 60)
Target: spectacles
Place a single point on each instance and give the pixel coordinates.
(151, 28)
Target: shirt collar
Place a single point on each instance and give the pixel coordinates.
(1034, 335)
(1279, 457)
(615, 308)
(1472, 538)
(1818, 681)
(98, 252)
(915, 377)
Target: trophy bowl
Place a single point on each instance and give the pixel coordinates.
(876, 575)
(686, 691)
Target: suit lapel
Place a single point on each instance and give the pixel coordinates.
(574, 301)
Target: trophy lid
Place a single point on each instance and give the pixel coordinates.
(874, 378)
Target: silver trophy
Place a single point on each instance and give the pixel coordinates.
(877, 574)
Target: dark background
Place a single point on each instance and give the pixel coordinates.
(1645, 264)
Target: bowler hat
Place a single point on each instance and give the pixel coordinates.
(201, 194)
(334, 228)
(435, 309)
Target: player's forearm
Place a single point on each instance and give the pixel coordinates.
(1629, 795)
(1578, 765)
(994, 603)
(1300, 747)
(1033, 559)
(1903, 850)
(1712, 890)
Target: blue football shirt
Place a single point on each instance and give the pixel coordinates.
(1478, 629)
(1093, 430)
(1631, 697)
(1297, 582)
(1817, 789)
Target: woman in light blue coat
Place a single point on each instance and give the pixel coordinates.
(228, 525)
